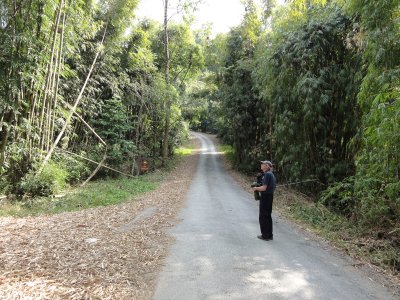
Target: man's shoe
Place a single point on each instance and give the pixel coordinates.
(264, 238)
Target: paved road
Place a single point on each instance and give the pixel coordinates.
(218, 256)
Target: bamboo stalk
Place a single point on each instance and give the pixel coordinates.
(30, 117)
(3, 144)
(49, 76)
(97, 169)
(60, 55)
(46, 132)
(54, 79)
(86, 124)
(167, 81)
(68, 120)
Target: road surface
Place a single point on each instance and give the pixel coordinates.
(217, 254)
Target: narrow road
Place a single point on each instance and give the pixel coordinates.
(217, 254)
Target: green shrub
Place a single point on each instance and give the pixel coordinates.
(179, 134)
(76, 169)
(375, 211)
(49, 181)
(379, 205)
(19, 163)
(340, 197)
(120, 152)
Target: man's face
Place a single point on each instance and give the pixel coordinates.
(264, 167)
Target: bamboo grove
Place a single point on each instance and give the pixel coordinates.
(82, 84)
(314, 86)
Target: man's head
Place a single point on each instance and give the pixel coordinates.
(266, 165)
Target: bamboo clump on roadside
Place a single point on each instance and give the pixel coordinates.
(73, 109)
(53, 82)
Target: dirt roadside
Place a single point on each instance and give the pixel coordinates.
(112, 252)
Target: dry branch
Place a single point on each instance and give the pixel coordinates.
(97, 169)
(86, 124)
(95, 162)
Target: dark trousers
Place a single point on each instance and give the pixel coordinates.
(265, 215)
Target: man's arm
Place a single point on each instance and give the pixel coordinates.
(265, 183)
(262, 188)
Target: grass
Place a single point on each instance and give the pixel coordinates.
(95, 193)
(183, 151)
(228, 151)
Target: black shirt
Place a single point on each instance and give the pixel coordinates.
(270, 181)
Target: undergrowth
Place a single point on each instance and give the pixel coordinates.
(96, 193)
(228, 151)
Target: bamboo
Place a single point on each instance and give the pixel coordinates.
(54, 80)
(97, 169)
(46, 132)
(68, 120)
(86, 124)
(3, 144)
(30, 116)
(49, 76)
(60, 55)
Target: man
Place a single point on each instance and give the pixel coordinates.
(267, 196)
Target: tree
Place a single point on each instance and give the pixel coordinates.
(239, 100)
(180, 58)
(312, 87)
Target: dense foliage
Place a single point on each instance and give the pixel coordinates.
(81, 82)
(241, 105)
(377, 178)
(310, 81)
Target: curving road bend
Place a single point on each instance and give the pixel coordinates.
(217, 254)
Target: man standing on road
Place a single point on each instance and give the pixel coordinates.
(267, 196)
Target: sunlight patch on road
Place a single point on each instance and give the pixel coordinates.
(283, 282)
(205, 237)
(213, 153)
